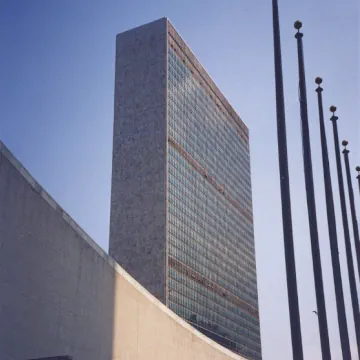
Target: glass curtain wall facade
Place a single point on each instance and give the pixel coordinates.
(211, 252)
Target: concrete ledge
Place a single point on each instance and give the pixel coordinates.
(47, 197)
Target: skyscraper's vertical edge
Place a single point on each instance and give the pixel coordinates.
(254, 242)
(138, 194)
(167, 169)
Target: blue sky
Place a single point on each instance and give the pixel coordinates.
(57, 63)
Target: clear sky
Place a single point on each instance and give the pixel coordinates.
(57, 63)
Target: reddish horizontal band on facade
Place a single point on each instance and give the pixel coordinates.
(210, 179)
(200, 279)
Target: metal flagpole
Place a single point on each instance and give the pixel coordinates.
(344, 335)
(331, 213)
(342, 186)
(285, 194)
(352, 202)
(310, 196)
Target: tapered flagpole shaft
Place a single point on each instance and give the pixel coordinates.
(352, 204)
(310, 197)
(358, 177)
(285, 194)
(339, 296)
(342, 187)
(331, 214)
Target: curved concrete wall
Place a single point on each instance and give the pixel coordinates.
(152, 331)
(60, 294)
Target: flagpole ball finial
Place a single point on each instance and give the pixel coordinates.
(298, 25)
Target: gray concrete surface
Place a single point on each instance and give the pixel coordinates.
(138, 192)
(56, 291)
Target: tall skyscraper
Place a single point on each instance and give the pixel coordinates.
(181, 209)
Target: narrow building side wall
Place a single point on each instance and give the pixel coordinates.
(138, 196)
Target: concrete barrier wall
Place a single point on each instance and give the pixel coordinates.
(60, 294)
